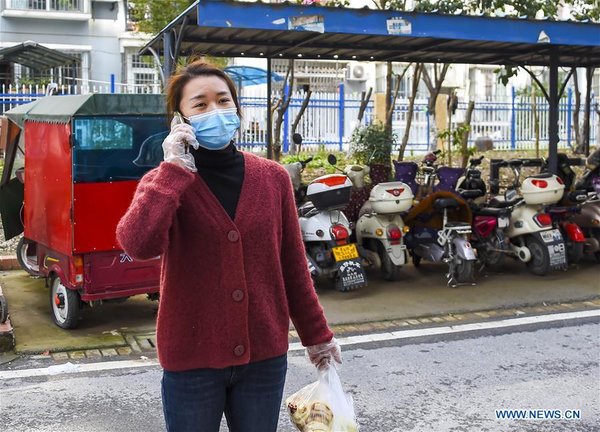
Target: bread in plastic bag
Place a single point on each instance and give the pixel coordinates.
(323, 406)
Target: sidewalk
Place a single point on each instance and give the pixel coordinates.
(420, 297)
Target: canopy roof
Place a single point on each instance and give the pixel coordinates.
(233, 29)
(250, 75)
(35, 56)
(60, 109)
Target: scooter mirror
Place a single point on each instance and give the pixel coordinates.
(332, 159)
(297, 138)
(510, 194)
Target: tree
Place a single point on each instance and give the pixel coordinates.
(152, 16)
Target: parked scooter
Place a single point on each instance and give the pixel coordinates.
(533, 238)
(380, 228)
(488, 223)
(563, 214)
(326, 231)
(589, 216)
(440, 229)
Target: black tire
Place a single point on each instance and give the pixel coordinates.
(464, 271)
(539, 264)
(65, 304)
(574, 252)
(3, 309)
(27, 257)
(494, 260)
(416, 259)
(389, 270)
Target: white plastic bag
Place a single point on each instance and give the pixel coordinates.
(323, 406)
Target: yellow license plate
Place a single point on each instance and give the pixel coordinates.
(345, 253)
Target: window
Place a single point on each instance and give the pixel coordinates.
(47, 5)
(142, 73)
(116, 148)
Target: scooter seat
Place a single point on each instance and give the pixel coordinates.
(443, 203)
(504, 204)
(491, 211)
(471, 194)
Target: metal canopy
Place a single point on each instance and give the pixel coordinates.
(35, 56)
(283, 30)
(61, 109)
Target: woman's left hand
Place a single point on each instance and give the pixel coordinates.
(323, 355)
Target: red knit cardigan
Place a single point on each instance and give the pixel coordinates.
(228, 288)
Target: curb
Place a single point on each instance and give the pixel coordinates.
(144, 343)
(9, 262)
(7, 335)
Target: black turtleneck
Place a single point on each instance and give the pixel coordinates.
(223, 172)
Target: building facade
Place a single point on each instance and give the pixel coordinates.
(97, 32)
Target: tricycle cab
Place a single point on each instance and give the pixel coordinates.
(84, 156)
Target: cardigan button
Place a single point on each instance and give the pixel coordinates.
(239, 350)
(233, 236)
(237, 295)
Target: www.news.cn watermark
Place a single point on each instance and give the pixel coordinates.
(538, 414)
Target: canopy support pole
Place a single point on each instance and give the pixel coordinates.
(269, 119)
(168, 47)
(589, 75)
(553, 115)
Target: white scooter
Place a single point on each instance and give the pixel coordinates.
(380, 227)
(534, 239)
(326, 230)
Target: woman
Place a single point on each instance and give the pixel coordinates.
(233, 265)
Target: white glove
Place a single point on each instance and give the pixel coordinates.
(323, 355)
(175, 145)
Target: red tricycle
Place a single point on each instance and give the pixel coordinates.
(72, 165)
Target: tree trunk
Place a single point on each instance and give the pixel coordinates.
(576, 124)
(411, 108)
(464, 141)
(588, 101)
(388, 96)
(364, 103)
(434, 86)
(390, 110)
(293, 148)
(285, 103)
(451, 137)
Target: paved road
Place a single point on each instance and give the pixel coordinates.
(434, 383)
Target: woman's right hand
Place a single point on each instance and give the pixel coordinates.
(175, 145)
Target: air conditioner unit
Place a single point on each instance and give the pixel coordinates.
(356, 72)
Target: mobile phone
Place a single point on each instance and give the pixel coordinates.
(179, 120)
(178, 117)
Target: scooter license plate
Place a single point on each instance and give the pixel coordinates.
(345, 253)
(551, 235)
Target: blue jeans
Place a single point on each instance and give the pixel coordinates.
(249, 395)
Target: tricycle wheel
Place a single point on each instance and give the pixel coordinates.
(3, 309)
(65, 304)
(27, 257)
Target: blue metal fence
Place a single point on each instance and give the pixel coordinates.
(331, 118)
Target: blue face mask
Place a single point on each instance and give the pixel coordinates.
(215, 129)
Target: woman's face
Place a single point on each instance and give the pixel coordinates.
(203, 94)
